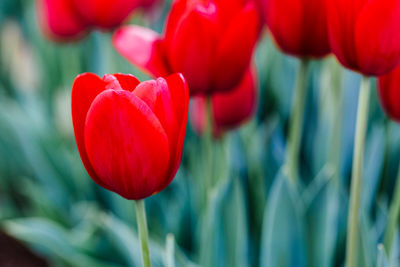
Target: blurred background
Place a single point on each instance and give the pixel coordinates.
(53, 214)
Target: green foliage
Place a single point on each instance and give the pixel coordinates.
(283, 230)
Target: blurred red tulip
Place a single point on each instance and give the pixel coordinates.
(230, 109)
(364, 34)
(299, 26)
(59, 21)
(210, 42)
(70, 19)
(105, 14)
(130, 134)
(389, 93)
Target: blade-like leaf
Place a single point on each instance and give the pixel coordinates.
(283, 237)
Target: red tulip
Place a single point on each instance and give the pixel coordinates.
(389, 93)
(104, 13)
(210, 42)
(130, 134)
(364, 34)
(59, 21)
(71, 19)
(230, 109)
(299, 26)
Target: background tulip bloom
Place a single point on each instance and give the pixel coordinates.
(130, 134)
(210, 42)
(71, 19)
(59, 21)
(389, 93)
(364, 34)
(229, 109)
(364, 37)
(298, 26)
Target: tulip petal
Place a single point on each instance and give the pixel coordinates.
(193, 54)
(126, 144)
(233, 108)
(235, 50)
(305, 34)
(180, 98)
(126, 82)
(104, 13)
(227, 10)
(342, 16)
(168, 99)
(286, 32)
(178, 9)
(143, 48)
(389, 93)
(197, 114)
(315, 39)
(59, 20)
(377, 37)
(156, 95)
(84, 90)
(230, 109)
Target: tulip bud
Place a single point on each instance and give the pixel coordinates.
(364, 35)
(299, 26)
(389, 93)
(229, 110)
(210, 42)
(130, 134)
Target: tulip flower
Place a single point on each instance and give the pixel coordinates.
(364, 34)
(59, 20)
(364, 37)
(210, 42)
(299, 26)
(130, 134)
(389, 93)
(229, 110)
(71, 19)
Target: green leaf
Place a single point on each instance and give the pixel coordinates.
(235, 226)
(173, 256)
(52, 240)
(128, 243)
(374, 156)
(323, 202)
(283, 237)
(224, 229)
(382, 257)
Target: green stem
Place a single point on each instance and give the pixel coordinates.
(208, 143)
(143, 234)
(296, 121)
(170, 251)
(394, 213)
(336, 134)
(356, 177)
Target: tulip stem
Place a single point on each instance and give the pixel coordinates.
(394, 213)
(296, 121)
(143, 234)
(170, 251)
(356, 177)
(336, 134)
(208, 135)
